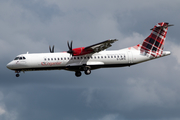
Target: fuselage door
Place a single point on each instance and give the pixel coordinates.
(130, 57)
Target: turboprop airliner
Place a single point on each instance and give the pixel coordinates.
(86, 59)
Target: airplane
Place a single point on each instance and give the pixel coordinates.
(95, 56)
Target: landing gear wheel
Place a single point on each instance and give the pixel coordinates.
(78, 73)
(87, 72)
(17, 75)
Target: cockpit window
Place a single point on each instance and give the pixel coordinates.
(17, 58)
(20, 58)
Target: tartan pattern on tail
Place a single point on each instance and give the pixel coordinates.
(154, 43)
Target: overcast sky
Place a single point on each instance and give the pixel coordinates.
(147, 91)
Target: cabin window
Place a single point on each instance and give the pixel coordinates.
(45, 59)
(48, 58)
(75, 58)
(98, 57)
(111, 56)
(51, 58)
(108, 56)
(104, 56)
(58, 58)
(54, 58)
(114, 56)
(61, 58)
(84, 57)
(81, 57)
(94, 57)
(64, 58)
(68, 58)
(101, 56)
(88, 57)
(91, 57)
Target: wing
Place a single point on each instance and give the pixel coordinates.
(90, 49)
(100, 46)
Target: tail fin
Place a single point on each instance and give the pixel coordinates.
(154, 43)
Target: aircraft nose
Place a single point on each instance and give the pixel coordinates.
(9, 65)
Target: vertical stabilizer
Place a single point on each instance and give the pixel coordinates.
(154, 43)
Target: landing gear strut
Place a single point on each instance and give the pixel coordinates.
(87, 70)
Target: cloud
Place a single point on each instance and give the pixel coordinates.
(145, 91)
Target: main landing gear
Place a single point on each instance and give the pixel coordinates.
(87, 71)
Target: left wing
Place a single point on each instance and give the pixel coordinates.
(100, 46)
(90, 49)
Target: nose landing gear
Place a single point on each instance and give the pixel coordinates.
(17, 73)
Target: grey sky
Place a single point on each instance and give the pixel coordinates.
(148, 91)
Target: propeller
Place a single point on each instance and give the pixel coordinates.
(51, 50)
(70, 51)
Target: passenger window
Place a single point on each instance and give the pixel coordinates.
(108, 56)
(58, 58)
(51, 58)
(98, 57)
(111, 56)
(104, 56)
(54, 58)
(61, 58)
(88, 57)
(45, 59)
(77, 57)
(48, 58)
(114, 56)
(84, 57)
(64, 58)
(94, 57)
(101, 56)
(68, 58)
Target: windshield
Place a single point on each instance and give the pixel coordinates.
(16, 58)
(20, 58)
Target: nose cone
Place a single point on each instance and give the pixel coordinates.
(9, 65)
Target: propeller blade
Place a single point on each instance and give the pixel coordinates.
(70, 47)
(51, 50)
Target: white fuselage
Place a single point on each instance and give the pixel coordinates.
(63, 60)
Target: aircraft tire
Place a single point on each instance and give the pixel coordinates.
(78, 73)
(17, 75)
(87, 72)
